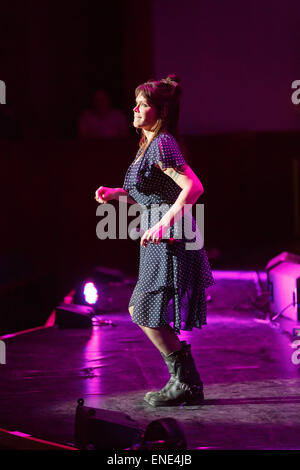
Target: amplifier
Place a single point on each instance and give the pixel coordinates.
(284, 288)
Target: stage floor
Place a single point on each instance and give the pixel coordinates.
(252, 387)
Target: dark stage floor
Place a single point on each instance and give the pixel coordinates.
(252, 388)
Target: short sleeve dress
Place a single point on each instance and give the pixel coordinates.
(172, 276)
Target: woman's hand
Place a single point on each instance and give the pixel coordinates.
(154, 234)
(104, 194)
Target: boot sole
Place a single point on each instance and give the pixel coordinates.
(193, 402)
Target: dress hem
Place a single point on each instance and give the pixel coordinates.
(189, 308)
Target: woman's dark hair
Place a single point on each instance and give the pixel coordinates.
(165, 96)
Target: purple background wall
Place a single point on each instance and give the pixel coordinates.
(237, 61)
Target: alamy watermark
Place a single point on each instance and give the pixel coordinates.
(296, 345)
(186, 228)
(2, 352)
(296, 94)
(2, 92)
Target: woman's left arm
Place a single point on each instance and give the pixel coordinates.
(192, 189)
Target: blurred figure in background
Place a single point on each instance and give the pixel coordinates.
(102, 120)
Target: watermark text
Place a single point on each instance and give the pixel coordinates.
(185, 228)
(2, 352)
(2, 92)
(296, 345)
(295, 97)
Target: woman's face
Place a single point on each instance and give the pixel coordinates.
(145, 115)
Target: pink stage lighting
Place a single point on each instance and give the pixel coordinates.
(90, 293)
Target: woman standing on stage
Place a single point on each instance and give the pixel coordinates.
(170, 275)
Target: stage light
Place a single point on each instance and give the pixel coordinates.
(90, 293)
(98, 289)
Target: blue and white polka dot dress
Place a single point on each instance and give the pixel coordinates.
(172, 279)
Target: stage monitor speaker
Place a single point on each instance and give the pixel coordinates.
(164, 434)
(284, 285)
(98, 429)
(74, 316)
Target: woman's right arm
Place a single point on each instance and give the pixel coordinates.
(121, 192)
(105, 194)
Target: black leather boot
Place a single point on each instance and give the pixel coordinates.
(170, 365)
(186, 389)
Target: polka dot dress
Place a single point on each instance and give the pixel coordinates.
(172, 276)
